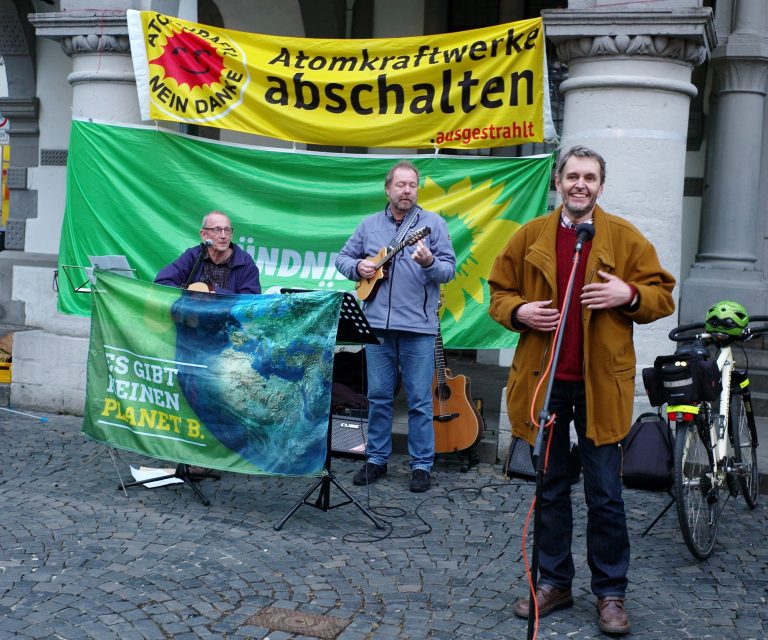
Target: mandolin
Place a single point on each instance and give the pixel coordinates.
(366, 287)
(457, 423)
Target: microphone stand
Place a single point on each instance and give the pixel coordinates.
(183, 470)
(585, 232)
(204, 247)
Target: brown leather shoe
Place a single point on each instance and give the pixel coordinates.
(549, 599)
(613, 617)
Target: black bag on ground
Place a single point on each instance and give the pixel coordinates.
(648, 454)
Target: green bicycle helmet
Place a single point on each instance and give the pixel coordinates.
(726, 317)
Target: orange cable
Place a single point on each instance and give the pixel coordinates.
(528, 574)
(550, 423)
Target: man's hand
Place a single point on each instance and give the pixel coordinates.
(366, 268)
(423, 255)
(614, 292)
(538, 315)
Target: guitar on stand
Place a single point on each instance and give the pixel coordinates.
(366, 287)
(456, 420)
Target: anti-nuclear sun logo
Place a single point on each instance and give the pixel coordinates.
(479, 210)
(190, 60)
(196, 75)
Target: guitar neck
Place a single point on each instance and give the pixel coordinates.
(394, 251)
(439, 357)
(386, 258)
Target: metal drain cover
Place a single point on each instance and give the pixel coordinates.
(301, 622)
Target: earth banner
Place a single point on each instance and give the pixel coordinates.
(231, 382)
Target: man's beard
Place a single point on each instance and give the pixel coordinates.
(404, 205)
(579, 211)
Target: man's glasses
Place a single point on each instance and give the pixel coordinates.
(219, 230)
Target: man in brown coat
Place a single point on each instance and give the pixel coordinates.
(618, 282)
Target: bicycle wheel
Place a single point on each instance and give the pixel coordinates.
(695, 492)
(744, 451)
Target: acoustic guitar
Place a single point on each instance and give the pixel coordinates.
(199, 286)
(457, 423)
(366, 287)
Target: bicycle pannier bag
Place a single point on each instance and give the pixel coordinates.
(648, 454)
(687, 378)
(654, 387)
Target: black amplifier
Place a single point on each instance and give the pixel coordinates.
(349, 435)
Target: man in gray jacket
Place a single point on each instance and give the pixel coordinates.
(402, 309)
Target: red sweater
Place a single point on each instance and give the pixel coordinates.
(570, 365)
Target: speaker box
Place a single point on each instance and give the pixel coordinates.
(349, 435)
(518, 464)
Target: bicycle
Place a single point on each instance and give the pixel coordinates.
(709, 400)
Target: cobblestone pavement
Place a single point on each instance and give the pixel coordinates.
(80, 559)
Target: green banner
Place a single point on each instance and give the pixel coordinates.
(142, 193)
(237, 383)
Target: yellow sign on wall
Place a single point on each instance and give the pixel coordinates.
(473, 89)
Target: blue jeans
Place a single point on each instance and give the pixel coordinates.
(607, 537)
(415, 355)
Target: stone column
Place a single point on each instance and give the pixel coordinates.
(49, 363)
(104, 87)
(729, 264)
(627, 96)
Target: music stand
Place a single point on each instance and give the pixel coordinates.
(353, 328)
(76, 273)
(85, 277)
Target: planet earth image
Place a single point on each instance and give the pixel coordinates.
(264, 390)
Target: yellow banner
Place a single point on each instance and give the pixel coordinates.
(472, 89)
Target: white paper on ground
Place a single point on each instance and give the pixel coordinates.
(147, 473)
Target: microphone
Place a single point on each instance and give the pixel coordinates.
(584, 233)
(209, 243)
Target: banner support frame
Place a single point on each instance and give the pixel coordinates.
(184, 474)
(353, 328)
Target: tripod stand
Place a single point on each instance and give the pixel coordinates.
(353, 328)
(323, 500)
(661, 515)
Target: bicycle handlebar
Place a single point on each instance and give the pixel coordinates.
(692, 332)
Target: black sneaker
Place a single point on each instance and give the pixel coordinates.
(420, 481)
(370, 473)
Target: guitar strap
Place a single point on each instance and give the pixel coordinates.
(407, 223)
